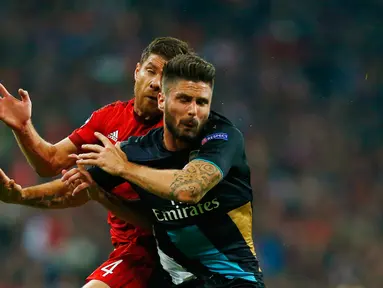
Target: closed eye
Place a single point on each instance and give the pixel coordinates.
(184, 98)
(202, 101)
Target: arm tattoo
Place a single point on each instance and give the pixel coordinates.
(55, 201)
(187, 185)
(195, 180)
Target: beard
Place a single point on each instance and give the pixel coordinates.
(177, 133)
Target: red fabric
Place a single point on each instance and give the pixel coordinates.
(118, 116)
(130, 265)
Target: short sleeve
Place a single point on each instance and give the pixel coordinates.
(95, 123)
(220, 147)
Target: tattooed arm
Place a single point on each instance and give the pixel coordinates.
(216, 156)
(214, 160)
(52, 195)
(188, 185)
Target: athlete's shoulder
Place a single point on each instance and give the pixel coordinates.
(147, 140)
(115, 106)
(145, 147)
(219, 126)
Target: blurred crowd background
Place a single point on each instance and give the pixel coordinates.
(301, 78)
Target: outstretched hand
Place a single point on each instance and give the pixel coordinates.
(80, 181)
(10, 191)
(14, 112)
(109, 157)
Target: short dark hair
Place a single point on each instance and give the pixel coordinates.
(166, 47)
(189, 67)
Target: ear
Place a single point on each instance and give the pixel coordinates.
(161, 101)
(138, 67)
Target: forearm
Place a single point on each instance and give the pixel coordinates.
(178, 185)
(52, 195)
(39, 153)
(152, 180)
(131, 212)
(188, 185)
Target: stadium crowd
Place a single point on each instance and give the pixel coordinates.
(300, 79)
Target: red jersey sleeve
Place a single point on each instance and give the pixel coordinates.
(95, 123)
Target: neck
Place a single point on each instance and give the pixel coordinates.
(144, 116)
(173, 144)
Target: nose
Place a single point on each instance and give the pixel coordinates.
(156, 83)
(192, 111)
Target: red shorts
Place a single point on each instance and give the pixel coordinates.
(129, 266)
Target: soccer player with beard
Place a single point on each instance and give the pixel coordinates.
(132, 261)
(193, 176)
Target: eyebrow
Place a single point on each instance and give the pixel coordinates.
(152, 65)
(183, 95)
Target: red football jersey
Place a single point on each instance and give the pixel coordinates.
(118, 122)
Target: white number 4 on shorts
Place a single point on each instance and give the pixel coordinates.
(112, 266)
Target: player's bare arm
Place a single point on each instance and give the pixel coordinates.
(83, 183)
(187, 185)
(47, 159)
(52, 195)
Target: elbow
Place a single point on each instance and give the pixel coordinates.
(46, 173)
(49, 171)
(52, 167)
(54, 163)
(189, 197)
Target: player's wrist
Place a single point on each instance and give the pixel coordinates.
(25, 194)
(123, 170)
(15, 197)
(23, 127)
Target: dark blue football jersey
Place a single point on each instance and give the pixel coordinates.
(217, 231)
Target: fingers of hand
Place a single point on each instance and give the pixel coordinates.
(85, 173)
(75, 177)
(11, 184)
(91, 155)
(73, 156)
(69, 174)
(103, 139)
(89, 162)
(81, 168)
(24, 95)
(3, 177)
(80, 187)
(76, 183)
(4, 92)
(92, 147)
(6, 182)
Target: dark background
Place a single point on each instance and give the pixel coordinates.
(301, 78)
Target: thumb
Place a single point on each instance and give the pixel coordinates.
(24, 95)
